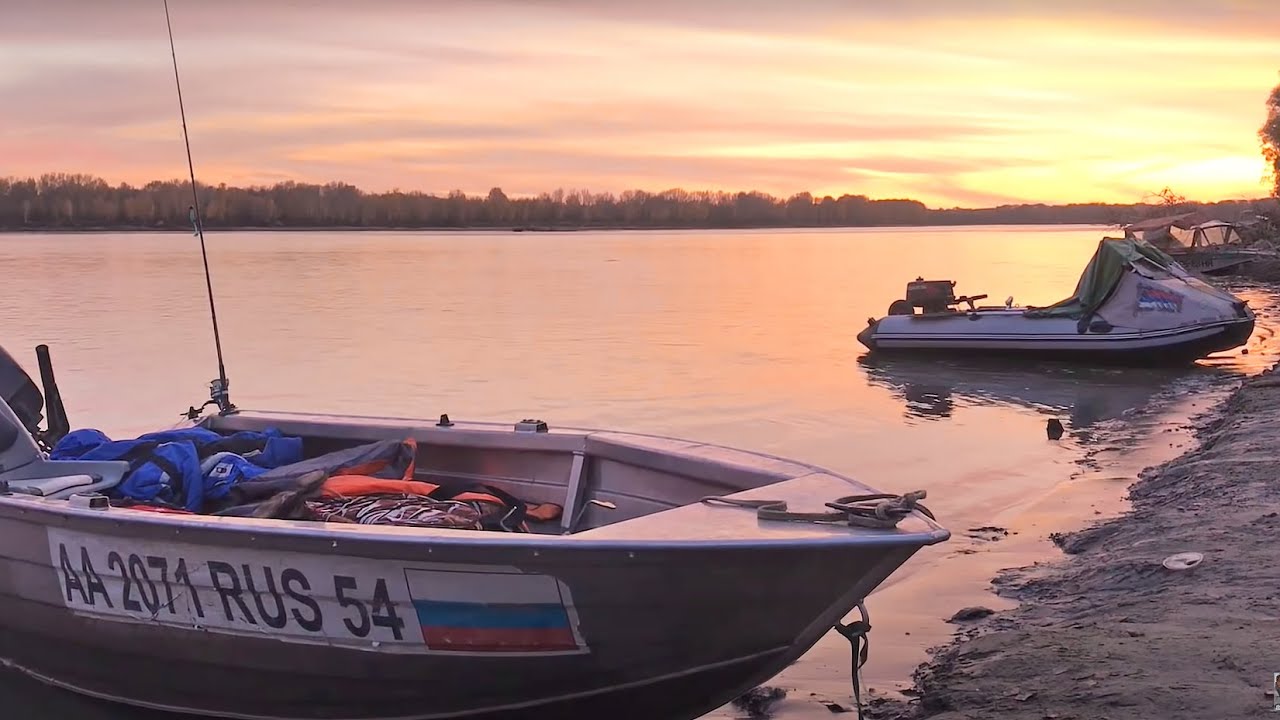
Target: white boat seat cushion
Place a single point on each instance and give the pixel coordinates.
(48, 486)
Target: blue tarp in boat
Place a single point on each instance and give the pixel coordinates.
(186, 467)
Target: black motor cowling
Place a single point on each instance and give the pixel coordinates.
(20, 392)
(932, 296)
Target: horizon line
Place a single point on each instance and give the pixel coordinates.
(616, 196)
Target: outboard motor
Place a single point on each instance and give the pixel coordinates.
(931, 296)
(23, 396)
(20, 392)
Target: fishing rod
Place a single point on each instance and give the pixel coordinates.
(218, 389)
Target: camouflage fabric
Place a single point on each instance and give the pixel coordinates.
(404, 510)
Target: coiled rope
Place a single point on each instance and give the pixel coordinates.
(876, 510)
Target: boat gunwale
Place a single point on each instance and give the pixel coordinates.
(580, 440)
(261, 528)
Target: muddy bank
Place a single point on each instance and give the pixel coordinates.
(1108, 632)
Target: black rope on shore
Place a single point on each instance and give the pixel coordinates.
(856, 633)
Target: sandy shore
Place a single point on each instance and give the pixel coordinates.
(1107, 631)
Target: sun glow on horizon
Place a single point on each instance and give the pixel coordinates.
(977, 102)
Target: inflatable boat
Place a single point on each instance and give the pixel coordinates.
(1133, 304)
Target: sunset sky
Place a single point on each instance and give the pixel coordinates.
(956, 102)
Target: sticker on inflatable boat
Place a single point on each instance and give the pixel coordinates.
(381, 605)
(1154, 298)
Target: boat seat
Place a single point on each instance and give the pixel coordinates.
(52, 486)
(27, 469)
(60, 479)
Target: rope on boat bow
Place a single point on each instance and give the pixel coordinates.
(876, 510)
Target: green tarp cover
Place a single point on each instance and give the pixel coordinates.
(1109, 263)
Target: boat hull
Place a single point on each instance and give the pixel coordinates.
(1053, 339)
(652, 632)
(1212, 263)
(679, 696)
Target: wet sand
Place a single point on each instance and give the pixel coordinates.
(909, 612)
(1108, 631)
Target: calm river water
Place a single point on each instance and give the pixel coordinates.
(743, 338)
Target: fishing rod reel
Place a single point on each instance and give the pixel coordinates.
(218, 395)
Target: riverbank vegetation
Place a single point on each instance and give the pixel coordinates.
(60, 201)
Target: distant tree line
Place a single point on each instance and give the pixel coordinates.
(73, 201)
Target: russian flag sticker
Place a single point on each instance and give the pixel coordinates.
(487, 611)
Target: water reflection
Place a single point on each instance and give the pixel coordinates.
(931, 389)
